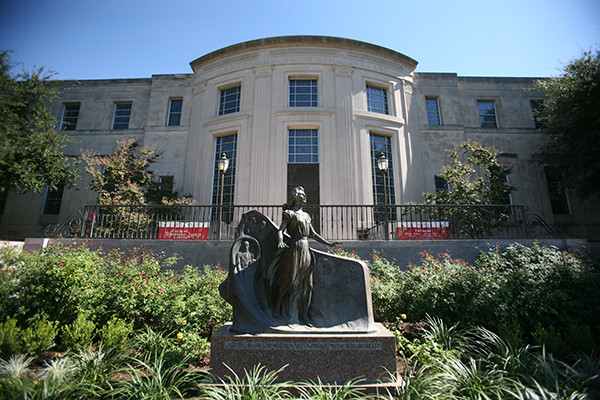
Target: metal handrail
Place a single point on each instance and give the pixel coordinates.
(334, 222)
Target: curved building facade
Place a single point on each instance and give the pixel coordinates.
(303, 110)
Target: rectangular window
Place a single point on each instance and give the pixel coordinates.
(54, 200)
(227, 145)
(3, 198)
(174, 112)
(487, 114)
(121, 116)
(441, 184)
(229, 101)
(536, 106)
(433, 111)
(557, 191)
(70, 115)
(165, 185)
(303, 146)
(383, 184)
(377, 99)
(303, 93)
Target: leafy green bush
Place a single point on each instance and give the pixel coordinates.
(39, 336)
(135, 285)
(512, 290)
(114, 335)
(80, 334)
(10, 337)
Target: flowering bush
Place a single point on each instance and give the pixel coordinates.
(511, 290)
(66, 281)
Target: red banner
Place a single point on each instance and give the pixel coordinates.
(411, 230)
(183, 230)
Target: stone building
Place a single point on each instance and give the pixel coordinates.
(303, 110)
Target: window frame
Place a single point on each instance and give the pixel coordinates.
(438, 113)
(53, 200)
(371, 107)
(313, 92)
(230, 149)
(223, 93)
(114, 120)
(171, 113)
(482, 122)
(293, 158)
(535, 105)
(377, 177)
(69, 123)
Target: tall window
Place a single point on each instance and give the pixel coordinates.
(229, 101)
(487, 114)
(377, 99)
(121, 116)
(54, 199)
(441, 184)
(557, 191)
(165, 185)
(536, 106)
(174, 112)
(3, 197)
(303, 93)
(70, 115)
(227, 145)
(383, 144)
(303, 146)
(433, 111)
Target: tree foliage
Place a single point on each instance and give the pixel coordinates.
(474, 176)
(124, 176)
(31, 154)
(570, 115)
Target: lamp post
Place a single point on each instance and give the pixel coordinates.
(382, 164)
(222, 164)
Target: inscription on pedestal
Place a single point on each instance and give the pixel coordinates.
(303, 346)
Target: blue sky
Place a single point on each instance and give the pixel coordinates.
(97, 39)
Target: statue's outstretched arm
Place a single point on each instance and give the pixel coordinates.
(320, 238)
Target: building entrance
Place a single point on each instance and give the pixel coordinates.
(307, 176)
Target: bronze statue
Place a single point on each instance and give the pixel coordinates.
(290, 273)
(277, 283)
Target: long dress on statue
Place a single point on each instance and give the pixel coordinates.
(290, 273)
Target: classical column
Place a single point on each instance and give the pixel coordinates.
(343, 151)
(260, 143)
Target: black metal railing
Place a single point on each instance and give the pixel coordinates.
(334, 222)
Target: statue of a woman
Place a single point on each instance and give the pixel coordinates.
(290, 273)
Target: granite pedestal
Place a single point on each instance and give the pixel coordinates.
(330, 357)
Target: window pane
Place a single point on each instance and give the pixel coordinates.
(230, 100)
(121, 116)
(303, 146)
(383, 144)
(54, 200)
(559, 200)
(174, 112)
(441, 184)
(227, 145)
(377, 100)
(70, 116)
(487, 114)
(433, 111)
(303, 93)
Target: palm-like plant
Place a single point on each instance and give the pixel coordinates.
(256, 384)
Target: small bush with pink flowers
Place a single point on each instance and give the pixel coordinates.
(68, 281)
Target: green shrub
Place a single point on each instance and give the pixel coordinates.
(196, 346)
(80, 334)
(11, 339)
(114, 335)
(509, 290)
(39, 336)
